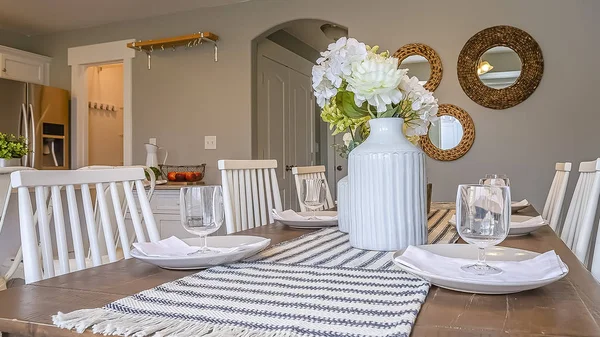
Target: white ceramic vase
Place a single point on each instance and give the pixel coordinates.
(343, 206)
(9, 162)
(387, 190)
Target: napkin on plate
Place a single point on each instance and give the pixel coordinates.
(174, 247)
(536, 221)
(290, 215)
(541, 267)
(521, 203)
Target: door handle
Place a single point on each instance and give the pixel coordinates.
(339, 168)
(33, 146)
(24, 125)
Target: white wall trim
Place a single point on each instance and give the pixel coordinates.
(79, 58)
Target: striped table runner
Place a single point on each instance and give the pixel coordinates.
(316, 285)
(438, 227)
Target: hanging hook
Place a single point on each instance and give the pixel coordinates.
(162, 47)
(189, 44)
(174, 48)
(216, 53)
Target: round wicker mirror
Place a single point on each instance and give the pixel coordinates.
(452, 135)
(522, 81)
(423, 62)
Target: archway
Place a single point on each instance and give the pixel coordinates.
(285, 119)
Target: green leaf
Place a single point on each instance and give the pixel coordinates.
(358, 134)
(388, 113)
(345, 99)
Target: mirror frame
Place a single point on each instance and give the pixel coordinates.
(435, 63)
(532, 67)
(465, 143)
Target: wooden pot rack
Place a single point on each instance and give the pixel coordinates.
(188, 41)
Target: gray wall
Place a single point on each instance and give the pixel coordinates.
(186, 96)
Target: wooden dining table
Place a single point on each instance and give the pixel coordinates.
(569, 307)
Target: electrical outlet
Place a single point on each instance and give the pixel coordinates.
(152, 141)
(210, 142)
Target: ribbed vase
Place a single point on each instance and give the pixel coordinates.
(343, 205)
(387, 190)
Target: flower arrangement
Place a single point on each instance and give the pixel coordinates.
(12, 146)
(353, 83)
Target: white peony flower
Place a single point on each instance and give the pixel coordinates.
(347, 138)
(375, 80)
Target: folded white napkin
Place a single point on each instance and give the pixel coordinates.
(538, 220)
(521, 203)
(293, 216)
(173, 247)
(542, 267)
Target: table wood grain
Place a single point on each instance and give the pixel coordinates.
(569, 307)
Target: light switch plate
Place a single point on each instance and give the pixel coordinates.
(210, 142)
(152, 141)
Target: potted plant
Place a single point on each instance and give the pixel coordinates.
(12, 148)
(383, 111)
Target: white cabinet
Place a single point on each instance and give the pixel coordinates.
(24, 66)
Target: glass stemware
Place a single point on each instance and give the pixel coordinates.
(495, 179)
(202, 211)
(482, 219)
(312, 194)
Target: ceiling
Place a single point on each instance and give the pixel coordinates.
(309, 32)
(38, 17)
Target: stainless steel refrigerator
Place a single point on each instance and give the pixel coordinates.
(40, 114)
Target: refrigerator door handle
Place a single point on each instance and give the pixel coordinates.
(23, 125)
(33, 132)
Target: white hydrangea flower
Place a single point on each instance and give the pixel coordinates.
(333, 65)
(417, 127)
(347, 138)
(376, 79)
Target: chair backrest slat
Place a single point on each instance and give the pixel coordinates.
(91, 225)
(108, 183)
(61, 232)
(116, 201)
(579, 222)
(133, 211)
(44, 226)
(250, 191)
(556, 196)
(75, 227)
(311, 172)
(147, 212)
(105, 220)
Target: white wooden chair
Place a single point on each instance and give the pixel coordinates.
(49, 183)
(311, 172)
(556, 196)
(250, 192)
(577, 229)
(5, 193)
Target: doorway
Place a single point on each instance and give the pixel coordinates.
(105, 119)
(91, 56)
(287, 125)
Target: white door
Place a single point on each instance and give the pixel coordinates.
(285, 118)
(301, 127)
(273, 116)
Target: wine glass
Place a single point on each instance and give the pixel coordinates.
(482, 219)
(312, 194)
(495, 179)
(202, 211)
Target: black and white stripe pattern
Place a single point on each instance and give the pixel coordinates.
(315, 285)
